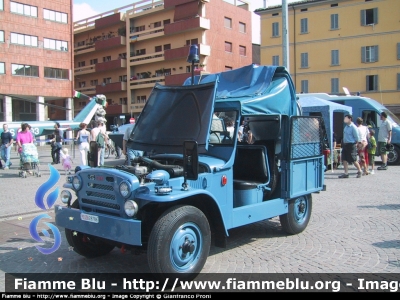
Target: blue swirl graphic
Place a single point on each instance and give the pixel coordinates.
(36, 237)
(45, 187)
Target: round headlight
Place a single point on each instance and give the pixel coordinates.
(124, 189)
(76, 183)
(131, 208)
(65, 196)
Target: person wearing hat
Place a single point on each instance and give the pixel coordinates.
(384, 138)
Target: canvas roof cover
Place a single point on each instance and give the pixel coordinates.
(259, 89)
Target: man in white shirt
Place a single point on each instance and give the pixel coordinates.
(93, 135)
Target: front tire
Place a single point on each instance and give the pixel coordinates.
(86, 245)
(298, 215)
(179, 243)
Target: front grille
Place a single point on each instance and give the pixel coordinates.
(100, 195)
(101, 186)
(101, 203)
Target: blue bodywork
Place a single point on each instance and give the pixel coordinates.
(237, 184)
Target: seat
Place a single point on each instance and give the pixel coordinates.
(251, 169)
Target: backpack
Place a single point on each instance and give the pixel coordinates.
(100, 141)
(370, 146)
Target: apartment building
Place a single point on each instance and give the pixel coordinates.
(338, 43)
(35, 60)
(125, 52)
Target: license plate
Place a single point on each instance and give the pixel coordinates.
(89, 218)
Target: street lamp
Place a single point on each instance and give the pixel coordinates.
(193, 58)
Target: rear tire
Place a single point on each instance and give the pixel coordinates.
(393, 157)
(298, 215)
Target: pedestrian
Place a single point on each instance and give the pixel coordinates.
(100, 129)
(56, 145)
(66, 161)
(351, 140)
(371, 150)
(128, 146)
(24, 137)
(362, 148)
(83, 140)
(6, 143)
(384, 138)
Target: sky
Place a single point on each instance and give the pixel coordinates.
(87, 8)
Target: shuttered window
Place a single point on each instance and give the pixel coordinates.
(334, 21)
(335, 57)
(275, 29)
(334, 85)
(369, 54)
(398, 81)
(304, 60)
(304, 86)
(304, 25)
(372, 82)
(369, 16)
(242, 50)
(228, 47)
(275, 60)
(398, 50)
(242, 27)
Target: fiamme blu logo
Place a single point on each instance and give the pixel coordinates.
(40, 202)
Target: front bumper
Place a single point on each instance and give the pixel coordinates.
(126, 231)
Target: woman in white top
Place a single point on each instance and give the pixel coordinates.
(363, 132)
(83, 139)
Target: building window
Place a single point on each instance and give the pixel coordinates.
(334, 57)
(1, 5)
(369, 16)
(94, 82)
(23, 39)
(24, 70)
(55, 16)
(107, 58)
(192, 42)
(242, 50)
(168, 21)
(228, 47)
(1, 36)
(140, 28)
(140, 52)
(106, 80)
(122, 55)
(157, 24)
(398, 79)
(167, 46)
(275, 60)
(2, 68)
(55, 44)
(304, 86)
(56, 73)
(334, 85)
(334, 21)
(369, 54)
(242, 27)
(23, 9)
(123, 78)
(158, 49)
(123, 101)
(141, 99)
(81, 64)
(93, 61)
(275, 29)
(398, 50)
(304, 25)
(82, 84)
(372, 82)
(304, 60)
(227, 68)
(228, 22)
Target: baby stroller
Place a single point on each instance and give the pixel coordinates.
(29, 161)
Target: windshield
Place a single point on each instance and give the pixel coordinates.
(392, 117)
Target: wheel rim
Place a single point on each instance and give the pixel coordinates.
(186, 246)
(392, 156)
(300, 209)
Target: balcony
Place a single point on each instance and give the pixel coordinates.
(146, 58)
(109, 43)
(110, 20)
(187, 25)
(182, 52)
(146, 34)
(85, 70)
(145, 82)
(111, 87)
(111, 65)
(172, 3)
(84, 49)
(89, 90)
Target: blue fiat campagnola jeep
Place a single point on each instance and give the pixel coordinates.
(198, 179)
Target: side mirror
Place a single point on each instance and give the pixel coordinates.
(190, 160)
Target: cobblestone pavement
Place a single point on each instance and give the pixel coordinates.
(354, 228)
